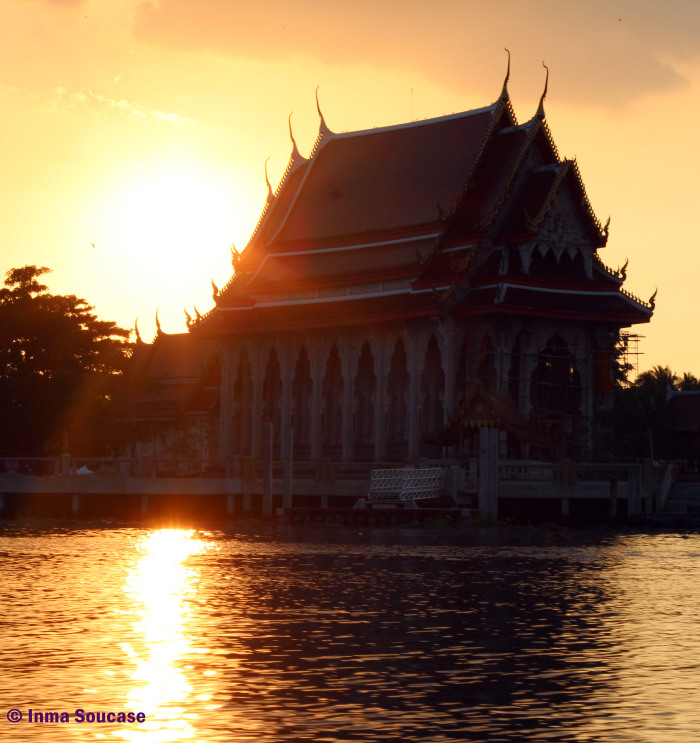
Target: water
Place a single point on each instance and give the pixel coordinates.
(278, 635)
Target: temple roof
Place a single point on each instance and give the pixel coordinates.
(413, 219)
(176, 374)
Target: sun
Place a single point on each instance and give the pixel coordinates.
(162, 230)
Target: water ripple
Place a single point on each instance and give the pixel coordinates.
(286, 635)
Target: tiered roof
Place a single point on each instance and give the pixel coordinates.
(176, 375)
(410, 220)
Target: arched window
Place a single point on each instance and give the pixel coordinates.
(302, 387)
(555, 394)
(271, 396)
(432, 387)
(242, 424)
(486, 366)
(332, 420)
(364, 393)
(397, 404)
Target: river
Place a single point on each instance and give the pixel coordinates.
(277, 634)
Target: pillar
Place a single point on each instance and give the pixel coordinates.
(348, 357)
(414, 359)
(317, 361)
(381, 374)
(257, 371)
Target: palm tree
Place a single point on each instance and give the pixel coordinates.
(657, 380)
(688, 383)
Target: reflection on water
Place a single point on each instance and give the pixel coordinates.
(289, 635)
(162, 591)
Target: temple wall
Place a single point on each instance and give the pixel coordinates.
(376, 393)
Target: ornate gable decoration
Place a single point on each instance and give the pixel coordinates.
(562, 228)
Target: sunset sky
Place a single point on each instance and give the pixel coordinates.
(143, 126)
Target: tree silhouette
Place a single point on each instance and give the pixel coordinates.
(59, 365)
(639, 424)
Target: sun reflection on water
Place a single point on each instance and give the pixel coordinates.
(163, 589)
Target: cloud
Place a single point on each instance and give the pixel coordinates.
(102, 106)
(64, 3)
(608, 52)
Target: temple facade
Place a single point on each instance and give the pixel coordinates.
(408, 285)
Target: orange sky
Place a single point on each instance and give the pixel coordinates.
(143, 127)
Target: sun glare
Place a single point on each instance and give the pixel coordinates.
(161, 587)
(162, 230)
(173, 206)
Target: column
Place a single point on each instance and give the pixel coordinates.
(257, 370)
(317, 360)
(380, 399)
(348, 360)
(447, 341)
(414, 356)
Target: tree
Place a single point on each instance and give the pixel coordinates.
(59, 367)
(639, 424)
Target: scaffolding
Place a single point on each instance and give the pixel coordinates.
(628, 347)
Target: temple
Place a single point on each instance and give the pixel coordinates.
(406, 286)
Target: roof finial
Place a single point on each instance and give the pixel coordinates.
(504, 92)
(295, 149)
(652, 300)
(623, 270)
(136, 330)
(188, 320)
(270, 194)
(158, 328)
(214, 290)
(540, 108)
(323, 129)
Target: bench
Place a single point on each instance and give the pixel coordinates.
(406, 485)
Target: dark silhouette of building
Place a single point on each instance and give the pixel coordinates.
(397, 271)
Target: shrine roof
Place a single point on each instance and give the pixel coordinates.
(421, 210)
(173, 374)
(593, 304)
(540, 192)
(374, 180)
(172, 356)
(322, 312)
(338, 266)
(481, 201)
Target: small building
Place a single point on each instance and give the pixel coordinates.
(683, 414)
(396, 271)
(170, 409)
